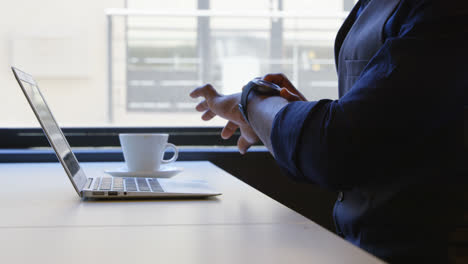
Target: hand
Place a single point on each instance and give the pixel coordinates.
(288, 91)
(225, 106)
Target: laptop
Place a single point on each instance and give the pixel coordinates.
(102, 187)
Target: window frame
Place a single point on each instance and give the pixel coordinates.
(28, 138)
(93, 137)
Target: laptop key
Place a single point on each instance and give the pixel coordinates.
(118, 184)
(89, 181)
(142, 185)
(106, 183)
(130, 185)
(97, 181)
(155, 186)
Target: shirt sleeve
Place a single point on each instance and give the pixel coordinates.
(401, 114)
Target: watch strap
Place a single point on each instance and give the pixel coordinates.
(244, 96)
(260, 87)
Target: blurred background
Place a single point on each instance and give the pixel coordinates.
(126, 66)
(133, 62)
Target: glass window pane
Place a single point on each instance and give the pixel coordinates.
(160, 51)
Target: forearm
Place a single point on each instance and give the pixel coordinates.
(261, 113)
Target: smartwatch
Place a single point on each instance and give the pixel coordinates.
(259, 86)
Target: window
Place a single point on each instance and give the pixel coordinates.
(132, 63)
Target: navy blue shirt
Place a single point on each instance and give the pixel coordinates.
(399, 125)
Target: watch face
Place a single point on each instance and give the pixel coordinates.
(266, 87)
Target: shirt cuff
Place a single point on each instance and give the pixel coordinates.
(286, 133)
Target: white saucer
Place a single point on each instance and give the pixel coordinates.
(163, 172)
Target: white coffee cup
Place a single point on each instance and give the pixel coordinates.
(145, 152)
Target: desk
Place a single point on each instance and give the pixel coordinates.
(43, 220)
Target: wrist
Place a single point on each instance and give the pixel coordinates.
(253, 100)
(254, 88)
(262, 111)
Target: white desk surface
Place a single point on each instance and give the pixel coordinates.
(43, 220)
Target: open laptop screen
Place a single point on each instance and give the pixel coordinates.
(51, 129)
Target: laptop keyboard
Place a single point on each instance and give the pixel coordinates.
(127, 184)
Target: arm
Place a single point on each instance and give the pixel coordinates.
(399, 115)
(262, 112)
(399, 118)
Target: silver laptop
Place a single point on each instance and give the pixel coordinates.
(102, 187)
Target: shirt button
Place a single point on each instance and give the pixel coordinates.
(340, 196)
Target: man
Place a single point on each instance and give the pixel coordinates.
(390, 144)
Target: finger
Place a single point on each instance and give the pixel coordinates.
(229, 130)
(202, 106)
(273, 77)
(207, 91)
(297, 94)
(279, 79)
(208, 115)
(301, 96)
(283, 81)
(243, 145)
(286, 94)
